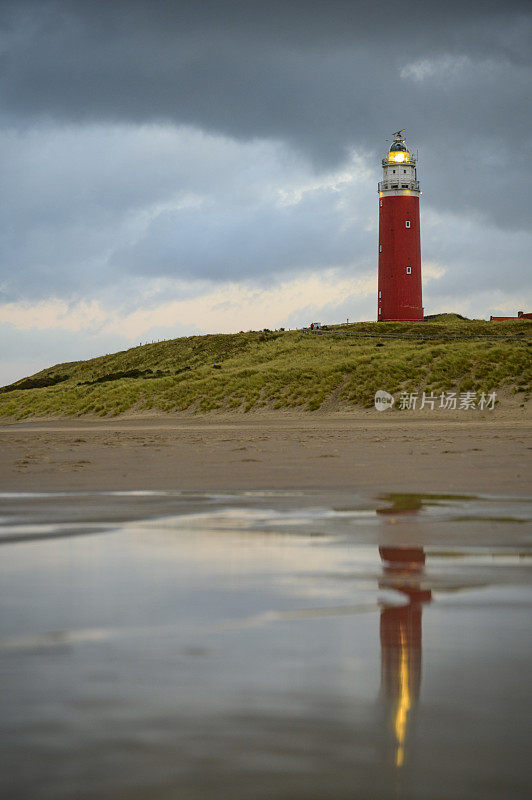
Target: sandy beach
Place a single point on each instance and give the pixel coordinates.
(368, 452)
(286, 629)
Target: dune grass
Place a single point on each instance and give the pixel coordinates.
(342, 368)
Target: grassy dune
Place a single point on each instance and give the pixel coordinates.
(272, 369)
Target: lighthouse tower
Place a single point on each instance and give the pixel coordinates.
(399, 291)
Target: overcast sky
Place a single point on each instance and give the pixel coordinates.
(171, 168)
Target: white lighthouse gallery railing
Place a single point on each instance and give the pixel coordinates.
(413, 185)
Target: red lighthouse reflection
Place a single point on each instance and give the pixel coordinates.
(400, 634)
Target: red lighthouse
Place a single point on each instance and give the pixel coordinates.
(399, 296)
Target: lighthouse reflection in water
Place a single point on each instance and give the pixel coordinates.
(401, 638)
(230, 645)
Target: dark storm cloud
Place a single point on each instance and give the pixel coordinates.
(322, 76)
(146, 140)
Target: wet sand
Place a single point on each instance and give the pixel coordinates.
(273, 607)
(370, 452)
(266, 645)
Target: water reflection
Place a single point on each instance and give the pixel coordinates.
(233, 641)
(401, 640)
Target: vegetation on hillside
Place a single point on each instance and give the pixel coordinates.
(340, 368)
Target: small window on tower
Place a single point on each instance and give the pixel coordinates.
(404, 171)
(380, 202)
(407, 223)
(393, 171)
(409, 270)
(380, 294)
(380, 310)
(380, 248)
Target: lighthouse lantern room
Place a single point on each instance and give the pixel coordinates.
(399, 289)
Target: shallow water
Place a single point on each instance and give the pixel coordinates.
(265, 645)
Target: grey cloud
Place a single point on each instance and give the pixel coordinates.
(114, 212)
(25, 352)
(476, 258)
(318, 75)
(102, 188)
(235, 243)
(73, 196)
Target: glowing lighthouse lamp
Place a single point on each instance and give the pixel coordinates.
(399, 290)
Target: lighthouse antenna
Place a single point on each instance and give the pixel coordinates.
(397, 134)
